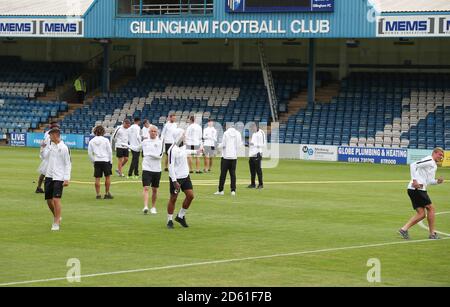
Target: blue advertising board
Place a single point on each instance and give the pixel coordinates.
(18, 139)
(373, 155)
(71, 140)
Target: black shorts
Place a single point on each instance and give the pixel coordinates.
(122, 153)
(151, 179)
(186, 184)
(53, 189)
(419, 199)
(102, 168)
(193, 147)
(167, 148)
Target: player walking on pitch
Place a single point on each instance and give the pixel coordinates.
(179, 178)
(58, 174)
(153, 150)
(100, 153)
(44, 162)
(423, 173)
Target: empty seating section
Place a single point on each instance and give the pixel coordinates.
(30, 79)
(207, 90)
(21, 83)
(21, 89)
(21, 115)
(428, 112)
(378, 110)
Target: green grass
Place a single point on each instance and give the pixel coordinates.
(111, 236)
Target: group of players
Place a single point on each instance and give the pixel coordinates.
(181, 147)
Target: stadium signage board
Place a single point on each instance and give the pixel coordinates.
(446, 162)
(413, 26)
(373, 155)
(274, 6)
(236, 27)
(18, 139)
(42, 27)
(71, 140)
(319, 153)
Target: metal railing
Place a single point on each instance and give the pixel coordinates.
(173, 9)
(125, 62)
(269, 82)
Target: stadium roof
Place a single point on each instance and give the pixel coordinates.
(410, 6)
(44, 7)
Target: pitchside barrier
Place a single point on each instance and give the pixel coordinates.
(392, 156)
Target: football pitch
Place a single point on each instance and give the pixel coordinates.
(314, 224)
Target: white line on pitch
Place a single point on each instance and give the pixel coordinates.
(187, 265)
(422, 224)
(215, 182)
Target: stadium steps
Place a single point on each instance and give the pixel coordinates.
(295, 105)
(72, 108)
(50, 96)
(326, 93)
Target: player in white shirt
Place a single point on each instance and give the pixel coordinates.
(134, 141)
(167, 136)
(100, 153)
(231, 142)
(120, 142)
(257, 144)
(153, 150)
(145, 130)
(209, 145)
(194, 136)
(423, 173)
(179, 179)
(43, 166)
(58, 174)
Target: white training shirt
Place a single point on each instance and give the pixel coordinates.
(153, 152)
(145, 133)
(59, 163)
(46, 141)
(99, 150)
(44, 161)
(120, 138)
(231, 142)
(424, 172)
(168, 132)
(134, 138)
(210, 136)
(178, 163)
(257, 143)
(194, 135)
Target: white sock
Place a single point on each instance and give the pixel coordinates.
(170, 217)
(182, 213)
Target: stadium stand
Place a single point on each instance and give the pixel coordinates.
(31, 79)
(208, 90)
(20, 115)
(21, 83)
(378, 110)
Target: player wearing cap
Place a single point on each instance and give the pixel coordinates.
(58, 174)
(43, 166)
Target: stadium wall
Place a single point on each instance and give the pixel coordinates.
(369, 52)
